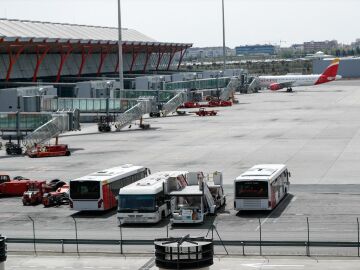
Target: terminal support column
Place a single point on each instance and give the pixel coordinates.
(135, 54)
(13, 57)
(172, 54)
(86, 52)
(149, 52)
(161, 54)
(65, 50)
(40, 56)
(103, 54)
(182, 54)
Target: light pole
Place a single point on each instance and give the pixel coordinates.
(121, 71)
(223, 24)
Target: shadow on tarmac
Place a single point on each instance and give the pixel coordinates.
(275, 213)
(95, 214)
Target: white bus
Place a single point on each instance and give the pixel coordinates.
(262, 187)
(99, 191)
(148, 200)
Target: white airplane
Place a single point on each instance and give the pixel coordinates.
(275, 83)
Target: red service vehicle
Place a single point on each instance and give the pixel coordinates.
(49, 151)
(203, 112)
(14, 187)
(35, 192)
(58, 197)
(219, 103)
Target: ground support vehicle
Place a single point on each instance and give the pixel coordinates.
(35, 192)
(56, 198)
(148, 200)
(13, 149)
(49, 151)
(4, 178)
(261, 187)
(203, 196)
(105, 122)
(205, 104)
(99, 191)
(203, 112)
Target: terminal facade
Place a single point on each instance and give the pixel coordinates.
(32, 50)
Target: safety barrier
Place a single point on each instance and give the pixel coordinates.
(235, 243)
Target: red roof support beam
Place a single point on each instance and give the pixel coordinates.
(104, 53)
(134, 57)
(86, 51)
(182, 54)
(148, 55)
(161, 54)
(13, 58)
(172, 54)
(40, 56)
(65, 50)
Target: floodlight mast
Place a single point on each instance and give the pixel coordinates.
(121, 68)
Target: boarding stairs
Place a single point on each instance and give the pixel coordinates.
(171, 106)
(198, 178)
(144, 106)
(61, 122)
(253, 86)
(229, 91)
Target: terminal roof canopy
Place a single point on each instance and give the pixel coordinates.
(22, 30)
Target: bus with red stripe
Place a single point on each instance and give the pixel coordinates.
(99, 191)
(261, 187)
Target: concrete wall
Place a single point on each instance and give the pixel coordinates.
(348, 67)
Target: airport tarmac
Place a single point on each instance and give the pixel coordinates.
(314, 130)
(332, 213)
(148, 263)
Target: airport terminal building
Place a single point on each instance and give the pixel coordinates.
(32, 50)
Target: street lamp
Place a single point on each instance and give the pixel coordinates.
(223, 24)
(121, 71)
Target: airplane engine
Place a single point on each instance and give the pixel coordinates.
(275, 86)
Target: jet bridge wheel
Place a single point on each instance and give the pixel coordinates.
(289, 90)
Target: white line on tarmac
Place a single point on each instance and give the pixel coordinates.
(291, 201)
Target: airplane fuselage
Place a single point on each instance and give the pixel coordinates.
(296, 80)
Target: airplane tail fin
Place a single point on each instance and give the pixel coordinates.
(332, 70)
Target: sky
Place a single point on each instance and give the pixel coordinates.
(199, 21)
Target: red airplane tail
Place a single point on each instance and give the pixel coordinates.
(330, 72)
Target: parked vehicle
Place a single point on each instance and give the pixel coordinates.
(49, 151)
(56, 198)
(261, 187)
(99, 191)
(148, 200)
(202, 196)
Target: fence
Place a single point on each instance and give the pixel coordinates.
(85, 234)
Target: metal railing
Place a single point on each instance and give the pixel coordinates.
(129, 239)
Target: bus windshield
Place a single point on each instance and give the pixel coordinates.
(251, 189)
(85, 190)
(137, 202)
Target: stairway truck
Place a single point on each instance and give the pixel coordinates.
(49, 151)
(203, 196)
(148, 200)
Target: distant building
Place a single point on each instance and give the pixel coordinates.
(208, 52)
(315, 46)
(255, 49)
(298, 47)
(356, 44)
